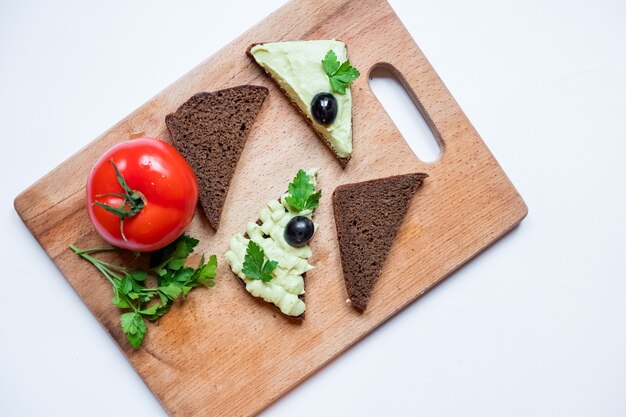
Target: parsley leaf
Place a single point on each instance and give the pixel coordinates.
(205, 273)
(254, 264)
(340, 75)
(302, 195)
(134, 326)
(173, 279)
(173, 256)
(330, 63)
(171, 291)
(119, 301)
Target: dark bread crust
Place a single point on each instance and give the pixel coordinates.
(342, 160)
(367, 216)
(210, 131)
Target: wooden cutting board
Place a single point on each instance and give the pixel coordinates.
(225, 353)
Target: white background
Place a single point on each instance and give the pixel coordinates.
(534, 326)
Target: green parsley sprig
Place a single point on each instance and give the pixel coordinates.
(341, 75)
(255, 266)
(302, 195)
(173, 279)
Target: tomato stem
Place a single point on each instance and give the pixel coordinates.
(132, 201)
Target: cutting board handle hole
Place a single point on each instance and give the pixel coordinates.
(406, 112)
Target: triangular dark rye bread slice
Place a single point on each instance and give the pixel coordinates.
(367, 216)
(210, 131)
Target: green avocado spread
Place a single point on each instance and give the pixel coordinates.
(287, 281)
(297, 68)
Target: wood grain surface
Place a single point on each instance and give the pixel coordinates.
(224, 353)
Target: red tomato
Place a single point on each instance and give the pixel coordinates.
(164, 194)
